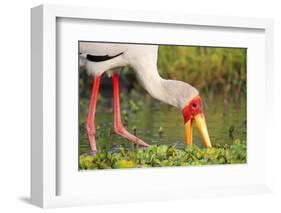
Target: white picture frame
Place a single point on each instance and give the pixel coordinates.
(44, 150)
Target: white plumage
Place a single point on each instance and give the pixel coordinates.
(143, 60)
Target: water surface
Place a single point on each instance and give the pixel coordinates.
(157, 123)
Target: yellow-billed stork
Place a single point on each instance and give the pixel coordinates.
(108, 57)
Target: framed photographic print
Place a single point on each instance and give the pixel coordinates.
(146, 105)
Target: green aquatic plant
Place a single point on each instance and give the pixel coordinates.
(162, 155)
(133, 106)
(160, 131)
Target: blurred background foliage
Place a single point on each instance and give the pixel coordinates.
(210, 69)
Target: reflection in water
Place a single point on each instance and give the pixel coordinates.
(158, 123)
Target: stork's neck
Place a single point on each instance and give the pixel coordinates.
(172, 92)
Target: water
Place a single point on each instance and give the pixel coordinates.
(226, 122)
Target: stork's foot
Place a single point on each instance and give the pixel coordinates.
(125, 134)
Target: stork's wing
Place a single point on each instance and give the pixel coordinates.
(102, 49)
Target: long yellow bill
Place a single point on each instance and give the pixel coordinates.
(202, 126)
(188, 132)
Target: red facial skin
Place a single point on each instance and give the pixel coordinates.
(193, 108)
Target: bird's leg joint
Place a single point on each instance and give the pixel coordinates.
(119, 129)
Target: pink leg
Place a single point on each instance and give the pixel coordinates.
(118, 126)
(91, 130)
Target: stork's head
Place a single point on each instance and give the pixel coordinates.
(185, 97)
(193, 111)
